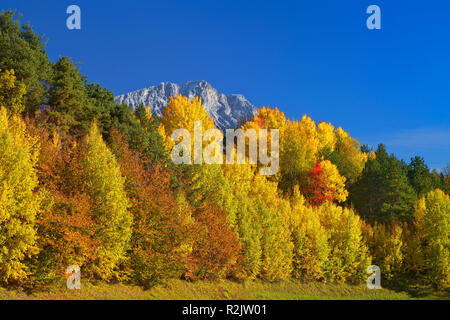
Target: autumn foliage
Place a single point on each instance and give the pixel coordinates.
(20, 200)
(325, 184)
(216, 250)
(88, 182)
(66, 226)
(159, 228)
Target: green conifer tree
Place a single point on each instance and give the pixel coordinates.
(22, 50)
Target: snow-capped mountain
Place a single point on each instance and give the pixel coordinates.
(226, 110)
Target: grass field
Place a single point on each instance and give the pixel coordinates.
(219, 290)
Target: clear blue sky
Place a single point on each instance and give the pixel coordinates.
(315, 57)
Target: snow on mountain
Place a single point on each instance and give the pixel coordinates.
(226, 110)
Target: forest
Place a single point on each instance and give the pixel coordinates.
(87, 182)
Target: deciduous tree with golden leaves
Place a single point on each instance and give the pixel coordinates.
(19, 201)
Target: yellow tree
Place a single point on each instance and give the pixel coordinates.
(349, 255)
(19, 202)
(181, 113)
(432, 223)
(310, 240)
(327, 138)
(105, 185)
(207, 183)
(11, 92)
(267, 118)
(204, 183)
(272, 121)
(262, 222)
(299, 147)
(347, 156)
(248, 219)
(302, 144)
(274, 213)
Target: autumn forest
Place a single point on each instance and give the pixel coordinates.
(88, 182)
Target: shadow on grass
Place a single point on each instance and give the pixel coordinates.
(416, 289)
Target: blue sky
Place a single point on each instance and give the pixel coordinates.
(315, 57)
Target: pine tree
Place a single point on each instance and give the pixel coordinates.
(383, 192)
(68, 99)
(420, 177)
(22, 50)
(142, 136)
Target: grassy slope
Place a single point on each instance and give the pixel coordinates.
(178, 289)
